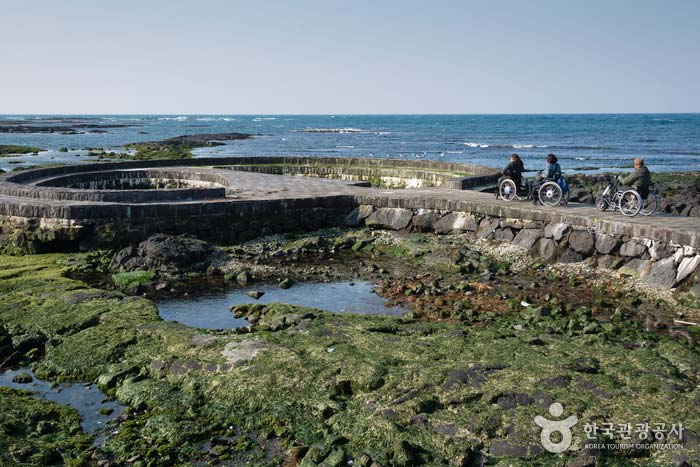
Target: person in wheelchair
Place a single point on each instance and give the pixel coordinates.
(639, 180)
(552, 170)
(514, 170)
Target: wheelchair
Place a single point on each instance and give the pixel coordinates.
(507, 189)
(628, 201)
(546, 192)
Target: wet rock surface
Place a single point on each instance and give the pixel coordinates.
(164, 252)
(491, 341)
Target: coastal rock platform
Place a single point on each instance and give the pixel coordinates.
(235, 199)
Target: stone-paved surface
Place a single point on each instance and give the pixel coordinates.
(247, 188)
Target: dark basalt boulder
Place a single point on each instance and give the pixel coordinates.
(582, 195)
(162, 252)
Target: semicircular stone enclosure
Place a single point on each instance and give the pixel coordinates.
(233, 199)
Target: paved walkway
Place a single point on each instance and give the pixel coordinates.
(247, 187)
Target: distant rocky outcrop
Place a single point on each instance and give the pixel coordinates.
(180, 147)
(14, 149)
(209, 139)
(66, 127)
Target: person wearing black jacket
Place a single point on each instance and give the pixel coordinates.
(514, 170)
(639, 179)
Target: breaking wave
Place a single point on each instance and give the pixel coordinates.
(504, 146)
(331, 130)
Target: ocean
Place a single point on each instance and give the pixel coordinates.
(583, 143)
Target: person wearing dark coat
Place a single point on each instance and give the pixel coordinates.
(639, 179)
(552, 170)
(514, 170)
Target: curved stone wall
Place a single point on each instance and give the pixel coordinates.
(118, 186)
(133, 179)
(376, 176)
(136, 181)
(39, 213)
(391, 173)
(423, 173)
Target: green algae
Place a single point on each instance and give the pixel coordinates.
(13, 149)
(151, 151)
(131, 279)
(39, 432)
(398, 391)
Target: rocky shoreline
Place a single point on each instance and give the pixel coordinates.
(505, 317)
(660, 264)
(492, 338)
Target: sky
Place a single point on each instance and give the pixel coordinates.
(352, 57)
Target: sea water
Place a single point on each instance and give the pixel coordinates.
(584, 143)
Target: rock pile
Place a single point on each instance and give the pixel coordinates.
(161, 252)
(661, 264)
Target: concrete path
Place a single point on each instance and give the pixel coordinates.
(247, 187)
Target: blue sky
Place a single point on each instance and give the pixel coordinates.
(329, 56)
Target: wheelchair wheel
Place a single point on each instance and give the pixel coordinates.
(507, 190)
(550, 194)
(650, 205)
(601, 202)
(630, 203)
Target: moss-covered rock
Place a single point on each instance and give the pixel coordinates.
(38, 432)
(323, 389)
(14, 149)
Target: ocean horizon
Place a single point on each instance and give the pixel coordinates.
(584, 143)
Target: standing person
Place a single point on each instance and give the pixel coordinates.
(514, 170)
(552, 170)
(639, 179)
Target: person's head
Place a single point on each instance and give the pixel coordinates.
(638, 162)
(514, 157)
(551, 159)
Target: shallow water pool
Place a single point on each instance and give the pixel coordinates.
(212, 310)
(87, 399)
